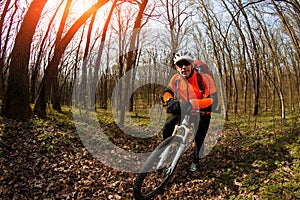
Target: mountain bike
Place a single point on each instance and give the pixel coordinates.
(163, 160)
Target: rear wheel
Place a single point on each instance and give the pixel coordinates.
(157, 169)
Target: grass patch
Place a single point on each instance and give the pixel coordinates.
(262, 159)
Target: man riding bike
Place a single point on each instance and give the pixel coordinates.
(191, 89)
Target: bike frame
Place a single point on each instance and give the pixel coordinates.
(184, 127)
(165, 158)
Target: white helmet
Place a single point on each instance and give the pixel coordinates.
(183, 56)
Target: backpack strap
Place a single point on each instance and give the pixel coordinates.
(177, 87)
(200, 83)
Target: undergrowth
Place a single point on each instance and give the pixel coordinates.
(254, 158)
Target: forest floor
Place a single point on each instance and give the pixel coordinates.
(255, 158)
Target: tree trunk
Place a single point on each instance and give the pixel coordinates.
(17, 98)
(52, 69)
(273, 47)
(36, 67)
(255, 67)
(5, 44)
(217, 57)
(3, 15)
(246, 49)
(56, 95)
(131, 56)
(100, 51)
(83, 84)
(289, 28)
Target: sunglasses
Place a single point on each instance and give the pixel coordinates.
(183, 62)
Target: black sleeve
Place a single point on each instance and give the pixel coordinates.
(215, 98)
(169, 90)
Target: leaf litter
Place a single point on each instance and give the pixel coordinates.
(48, 161)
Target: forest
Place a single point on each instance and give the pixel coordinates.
(68, 67)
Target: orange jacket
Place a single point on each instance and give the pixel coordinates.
(188, 90)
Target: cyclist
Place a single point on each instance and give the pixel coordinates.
(190, 92)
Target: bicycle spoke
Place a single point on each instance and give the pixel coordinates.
(158, 169)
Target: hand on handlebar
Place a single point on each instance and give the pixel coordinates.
(175, 107)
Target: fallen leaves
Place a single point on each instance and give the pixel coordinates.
(40, 160)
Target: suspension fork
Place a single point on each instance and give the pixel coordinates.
(176, 158)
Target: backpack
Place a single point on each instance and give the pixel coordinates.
(202, 68)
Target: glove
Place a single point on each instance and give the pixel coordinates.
(173, 107)
(186, 107)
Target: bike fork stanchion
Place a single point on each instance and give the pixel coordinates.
(163, 156)
(176, 158)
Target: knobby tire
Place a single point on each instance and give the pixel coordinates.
(142, 178)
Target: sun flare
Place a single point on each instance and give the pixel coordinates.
(77, 6)
(80, 6)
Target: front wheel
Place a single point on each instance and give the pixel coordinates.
(157, 169)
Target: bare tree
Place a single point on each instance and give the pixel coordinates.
(83, 84)
(40, 54)
(273, 47)
(175, 17)
(52, 68)
(294, 37)
(17, 98)
(3, 15)
(132, 54)
(99, 58)
(209, 24)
